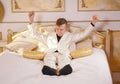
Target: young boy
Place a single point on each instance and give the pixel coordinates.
(57, 60)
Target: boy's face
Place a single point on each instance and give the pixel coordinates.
(60, 30)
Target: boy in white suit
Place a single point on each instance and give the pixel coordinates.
(57, 60)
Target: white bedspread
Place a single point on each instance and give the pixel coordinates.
(14, 69)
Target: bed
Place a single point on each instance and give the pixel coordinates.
(92, 69)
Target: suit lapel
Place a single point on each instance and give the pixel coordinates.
(55, 37)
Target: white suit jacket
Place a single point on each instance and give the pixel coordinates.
(65, 42)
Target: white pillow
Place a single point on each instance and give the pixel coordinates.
(16, 45)
(25, 39)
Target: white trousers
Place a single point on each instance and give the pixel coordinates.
(56, 60)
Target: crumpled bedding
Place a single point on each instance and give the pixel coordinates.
(93, 69)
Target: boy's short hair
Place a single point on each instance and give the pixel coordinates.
(61, 21)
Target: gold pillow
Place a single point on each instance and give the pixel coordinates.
(34, 55)
(81, 52)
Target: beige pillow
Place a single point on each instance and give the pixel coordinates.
(45, 29)
(34, 55)
(75, 29)
(16, 45)
(98, 40)
(86, 43)
(81, 52)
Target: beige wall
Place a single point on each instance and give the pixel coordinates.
(18, 21)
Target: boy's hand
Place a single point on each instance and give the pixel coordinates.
(31, 16)
(94, 19)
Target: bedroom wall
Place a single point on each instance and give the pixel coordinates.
(18, 21)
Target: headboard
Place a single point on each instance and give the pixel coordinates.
(107, 42)
(100, 39)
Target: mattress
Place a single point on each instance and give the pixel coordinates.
(93, 69)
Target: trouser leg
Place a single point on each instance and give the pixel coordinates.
(49, 67)
(50, 60)
(64, 65)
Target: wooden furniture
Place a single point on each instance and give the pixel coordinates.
(115, 50)
(107, 42)
(2, 45)
(115, 54)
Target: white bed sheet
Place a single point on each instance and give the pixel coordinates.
(93, 69)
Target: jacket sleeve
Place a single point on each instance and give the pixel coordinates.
(31, 28)
(79, 36)
(34, 33)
